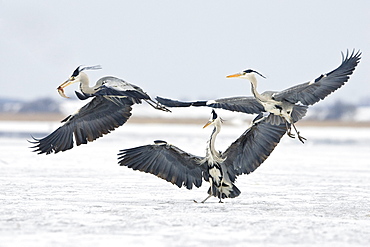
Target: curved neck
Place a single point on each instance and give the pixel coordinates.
(84, 84)
(253, 81)
(211, 153)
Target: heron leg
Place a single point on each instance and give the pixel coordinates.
(289, 130)
(157, 105)
(203, 200)
(220, 195)
(210, 192)
(301, 138)
(206, 199)
(220, 201)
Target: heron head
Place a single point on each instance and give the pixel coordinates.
(246, 74)
(75, 77)
(214, 118)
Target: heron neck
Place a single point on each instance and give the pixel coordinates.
(84, 84)
(256, 94)
(211, 143)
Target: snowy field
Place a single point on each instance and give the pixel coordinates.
(316, 194)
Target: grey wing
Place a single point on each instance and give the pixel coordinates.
(112, 86)
(93, 120)
(253, 147)
(239, 104)
(167, 162)
(311, 92)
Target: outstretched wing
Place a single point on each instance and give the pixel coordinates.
(93, 120)
(253, 147)
(239, 104)
(112, 86)
(311, 92)
(167, 162)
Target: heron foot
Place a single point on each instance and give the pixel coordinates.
(301, 138)
(290, 134)
(289, 130)
(162, 108)
(157, 105)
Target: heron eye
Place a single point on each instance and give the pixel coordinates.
(247, 71)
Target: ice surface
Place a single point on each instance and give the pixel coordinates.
(313, 194)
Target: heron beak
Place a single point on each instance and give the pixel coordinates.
(63, 85)
(234, 75)
(207, 124)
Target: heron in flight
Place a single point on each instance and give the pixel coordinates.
(220, 169)
(287, 106)
(109, 108)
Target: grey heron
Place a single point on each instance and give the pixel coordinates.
(221, 169)
(289, 105)
(109, 108)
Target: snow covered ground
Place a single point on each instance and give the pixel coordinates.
(316, 194)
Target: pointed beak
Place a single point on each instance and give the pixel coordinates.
(234, 75)
(63, 85)
(207, 124)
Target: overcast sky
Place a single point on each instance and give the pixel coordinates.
(181, 49)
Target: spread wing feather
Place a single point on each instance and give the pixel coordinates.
(98, 117)
(311, 92)
(253, 147)
(167, 162)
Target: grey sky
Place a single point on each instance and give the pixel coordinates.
(181, 49)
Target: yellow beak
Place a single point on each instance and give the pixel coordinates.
(63, 85)
(234, 75)
(207, 124)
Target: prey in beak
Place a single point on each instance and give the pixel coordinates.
(68, 82)
(61, 92)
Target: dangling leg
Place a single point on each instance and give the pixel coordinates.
(301, 138)
(156, 105)
(289, 130)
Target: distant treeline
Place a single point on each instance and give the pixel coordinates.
(339, 110)
(43, 105)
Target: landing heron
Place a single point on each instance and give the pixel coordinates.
(221, 169)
